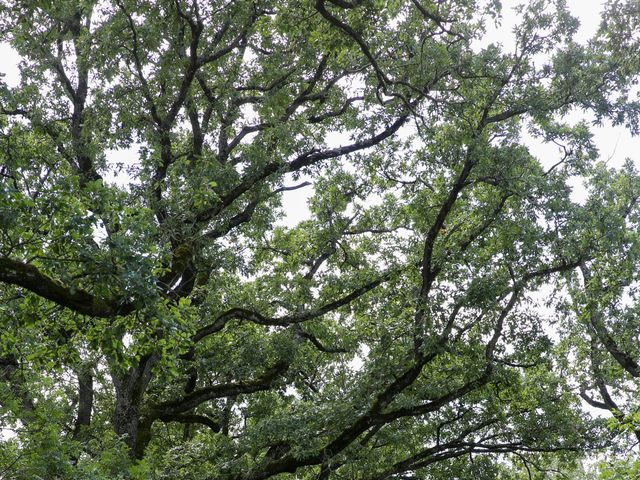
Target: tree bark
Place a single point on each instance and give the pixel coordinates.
(130, 388)
(85, 401)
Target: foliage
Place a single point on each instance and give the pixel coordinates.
(163, 319)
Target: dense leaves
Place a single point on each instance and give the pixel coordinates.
(446, 309)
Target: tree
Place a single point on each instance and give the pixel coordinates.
(171, 325)
(602, 317)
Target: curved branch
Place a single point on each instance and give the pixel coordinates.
(255, 317)
(192, 418)
(199, 396)
(28, 276)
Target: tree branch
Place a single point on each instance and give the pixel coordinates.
(255, 317)
(28, 276)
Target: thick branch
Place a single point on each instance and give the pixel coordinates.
(28, 276)
(199, 396)
(255, 317)
(192, 418)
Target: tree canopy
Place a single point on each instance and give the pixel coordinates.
(448, 308)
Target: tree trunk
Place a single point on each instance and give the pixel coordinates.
(85, 401)
(130, 388)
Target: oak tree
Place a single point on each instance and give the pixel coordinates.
(161, 317)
